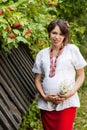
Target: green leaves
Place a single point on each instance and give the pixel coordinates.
(32, 15)
(13, 25)
(2, 20)
(22, 39)
(32, 119)
(35, 15)
(81, 118)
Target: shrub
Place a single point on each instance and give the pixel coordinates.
(14, 25)
(32, 119)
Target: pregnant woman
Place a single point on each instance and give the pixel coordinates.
(62, 67)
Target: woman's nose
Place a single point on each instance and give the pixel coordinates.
(57, 35)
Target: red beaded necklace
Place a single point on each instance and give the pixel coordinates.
(53, 64)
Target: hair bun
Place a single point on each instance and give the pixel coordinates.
(66, 23)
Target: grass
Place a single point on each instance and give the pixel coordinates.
(81, 117)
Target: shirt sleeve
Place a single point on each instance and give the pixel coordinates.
(78, 59)
(37, 65)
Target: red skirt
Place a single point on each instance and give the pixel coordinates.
(58, 120)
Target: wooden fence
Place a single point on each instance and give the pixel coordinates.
(17, 89)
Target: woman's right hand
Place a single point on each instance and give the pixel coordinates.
(56, 99)
(50, 97)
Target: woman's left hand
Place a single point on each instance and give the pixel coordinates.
(60, 98)
(68, 95)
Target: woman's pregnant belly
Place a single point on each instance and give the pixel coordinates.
(51, 86)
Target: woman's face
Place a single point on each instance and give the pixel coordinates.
(56, 36)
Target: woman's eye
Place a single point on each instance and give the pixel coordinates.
(57, 33)
(61, 34)
(54, 33)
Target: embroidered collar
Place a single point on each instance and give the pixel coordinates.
(53, 64)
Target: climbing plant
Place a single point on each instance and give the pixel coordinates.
(26, 21)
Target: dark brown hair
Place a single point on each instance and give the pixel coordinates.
(64, 27)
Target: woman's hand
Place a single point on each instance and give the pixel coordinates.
(68, 94)
(50, 97)
(53, 98)
(60, 98)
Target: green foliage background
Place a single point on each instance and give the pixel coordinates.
(35, 15)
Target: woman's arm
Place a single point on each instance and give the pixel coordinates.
(46, 97)
(79, 81)
(80, 78)
(38, 84)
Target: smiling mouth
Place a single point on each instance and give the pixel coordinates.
(56, 41)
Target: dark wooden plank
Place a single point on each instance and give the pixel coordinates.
(28, 84)
(4, 122)
(19, 80)
(11, 95)
(25, 64)
(15, 80)
(17, 88)
(11, 107)
(8, 115)
(27, 53)
(1, 128)
(27, 68)
(11, 82)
